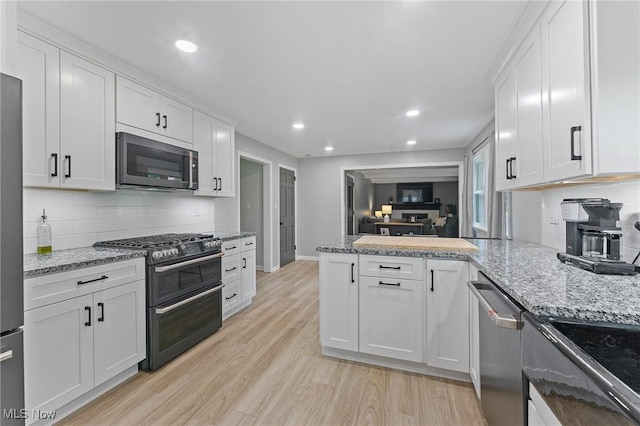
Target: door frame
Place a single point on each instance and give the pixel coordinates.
(295, 213)
(345, 169)
(267, 213)
(353, 201)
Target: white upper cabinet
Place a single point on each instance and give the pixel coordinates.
(69, 118)
(565, 93)
(146, 109)
(214, 142)
(506, 129)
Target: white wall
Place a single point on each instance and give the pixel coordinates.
(319, 190)
(80, 218)
(531, 214)
(251, 204)
(8, 37)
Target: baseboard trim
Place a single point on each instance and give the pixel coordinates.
(316, 258)
(275, 268)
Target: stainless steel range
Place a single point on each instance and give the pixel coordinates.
(184, 291)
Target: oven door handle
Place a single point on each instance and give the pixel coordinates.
(187, 263)
(164, 310)
(504, 321)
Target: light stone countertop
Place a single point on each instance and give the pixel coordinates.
(533, 276)
(67, 260)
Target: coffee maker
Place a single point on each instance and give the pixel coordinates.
(593, 241)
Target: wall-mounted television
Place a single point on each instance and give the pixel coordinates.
(421, 192)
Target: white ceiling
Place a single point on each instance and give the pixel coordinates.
(348, 70)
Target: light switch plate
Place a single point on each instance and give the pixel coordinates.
(554, 216)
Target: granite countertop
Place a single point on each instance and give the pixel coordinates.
(67, 260)
(231, 235)
(532, 275)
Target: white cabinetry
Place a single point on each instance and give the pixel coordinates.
(392, 307)
(146, 109)
(215, 144)
(447, 315)
(248, 275)
(238, 274)
(539, 413)
(69, 118)
(519, 118)
(565, 92)
(339, 301)
(81, 328)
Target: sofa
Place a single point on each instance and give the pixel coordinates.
(368, 225)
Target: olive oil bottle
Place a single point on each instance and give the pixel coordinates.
(44, 235)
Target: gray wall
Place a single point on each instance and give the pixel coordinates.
(228, 215)
(319, 190)
(446, 191)
(251, 204)
(364, 197)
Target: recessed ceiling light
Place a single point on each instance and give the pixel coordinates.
(413, 112)
(298, 125)
(411, 142)
(328, 148)
(186, 46)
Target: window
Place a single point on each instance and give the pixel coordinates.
(479, 195)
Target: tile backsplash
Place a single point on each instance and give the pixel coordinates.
(80, 218)
(628, 192)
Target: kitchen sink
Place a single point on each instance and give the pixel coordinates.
(615, 347)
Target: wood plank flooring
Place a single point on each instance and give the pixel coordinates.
(264, 367)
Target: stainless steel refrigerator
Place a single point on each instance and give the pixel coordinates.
(11, 275)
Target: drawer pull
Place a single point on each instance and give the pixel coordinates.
(232, 248)
(393, 284)
(397, 268)
(232, 296)
(248, 244)
(232, 269)
(104, 277)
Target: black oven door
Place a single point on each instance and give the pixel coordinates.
(167, 283)
(175, 327)
(145, 162)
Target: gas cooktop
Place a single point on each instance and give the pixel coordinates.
(167, 247)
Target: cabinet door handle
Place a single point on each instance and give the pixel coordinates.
(215, 179)
(101, 306)
(232, 296)
(55, 164)
(432, 280)
(573, 132)
(244, 263)
(158, 117)
(68, 161)
(220, 179)
(393, 284)
(390, 267)
(507, 168)
(88, 309)
(165, 122)
(353, 277)
(104, 277)
(513, 159)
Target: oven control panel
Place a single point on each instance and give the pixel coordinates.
(187, 249)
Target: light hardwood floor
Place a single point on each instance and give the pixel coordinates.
(265, 367)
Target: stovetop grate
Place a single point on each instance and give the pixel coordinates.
(154, 240)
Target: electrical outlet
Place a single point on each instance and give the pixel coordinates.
(554, 216)
(196, 212)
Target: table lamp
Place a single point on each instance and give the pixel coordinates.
(379, 214)
(386, 211)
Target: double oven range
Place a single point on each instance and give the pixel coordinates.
(184, 291)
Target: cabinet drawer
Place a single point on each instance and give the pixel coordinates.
(47, 289)
(249, 243)
(231, 247)
(231, 268)
(230, 296)
(392, 267)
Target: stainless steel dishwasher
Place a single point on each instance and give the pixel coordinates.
(501, 380)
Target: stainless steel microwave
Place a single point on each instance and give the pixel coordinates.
(147, 163)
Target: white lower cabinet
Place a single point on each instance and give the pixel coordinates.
(474, 334)
(447, 315)
(339, 301)
(76, 344)
(538, 412)
(392, 318)
(238, 274)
